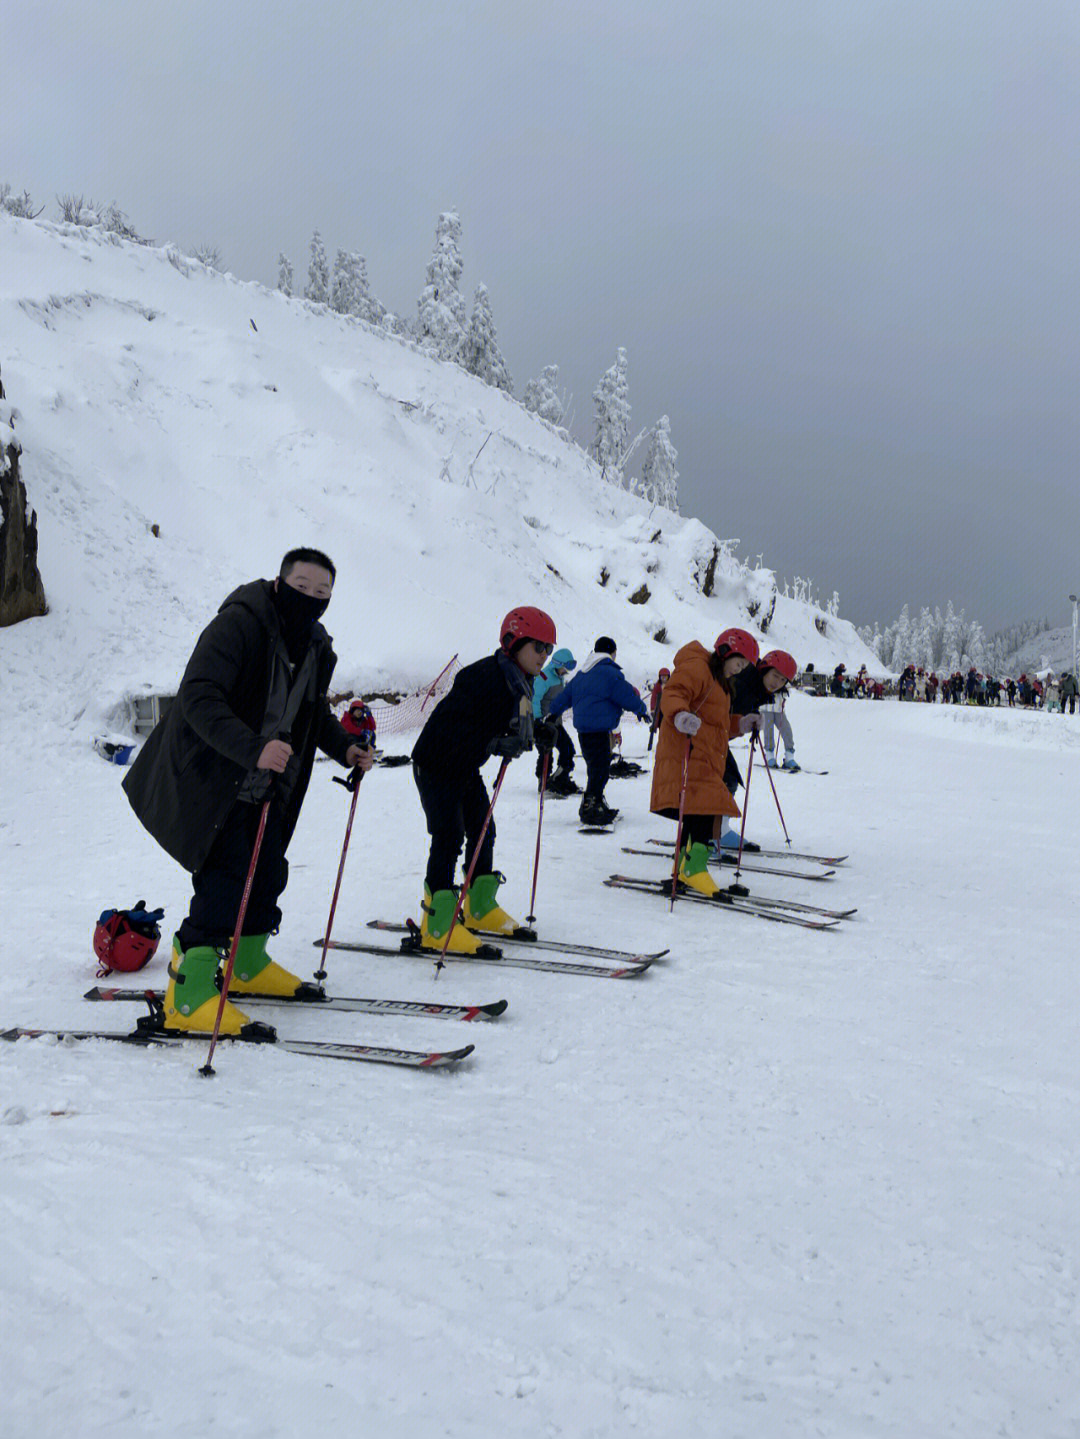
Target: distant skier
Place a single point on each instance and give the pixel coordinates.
(654, 704)
(488, 712)
(249, 714)
(777, 670)
(598, 694)
(697, 707)
(547, 686)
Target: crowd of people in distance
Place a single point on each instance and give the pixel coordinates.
(1057, 694)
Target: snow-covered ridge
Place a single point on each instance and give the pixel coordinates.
(181, 429)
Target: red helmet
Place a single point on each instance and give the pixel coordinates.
(782, 661)
(127, 939)
(737, 642)
(526, 623)
(664, 674)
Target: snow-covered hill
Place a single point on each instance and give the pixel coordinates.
(1051, 650)
(154, 394)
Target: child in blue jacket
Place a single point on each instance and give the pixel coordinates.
(547, 686)
(598, 694)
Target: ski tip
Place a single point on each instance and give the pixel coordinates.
(500, 1006)
(449, 1056)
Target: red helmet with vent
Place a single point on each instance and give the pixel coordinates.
(526, 623)
(782, 661)
(127, 939)
(737, 642)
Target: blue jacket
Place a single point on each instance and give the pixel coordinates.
(548, 684)
(598, 694)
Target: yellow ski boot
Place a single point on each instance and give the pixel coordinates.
(254, 972)
(480, 910)
(192, 998)
(694, 870)
(438, 911)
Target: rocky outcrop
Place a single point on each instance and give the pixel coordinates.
(22, 595)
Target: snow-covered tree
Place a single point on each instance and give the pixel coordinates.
(441, 319)
(343, 283)
(659, 477)
(318, 285)
(543, 398)
(611, 400)
(19, 205)
(285, 275)
(208, 255)
(480, 353)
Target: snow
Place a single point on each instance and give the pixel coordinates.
(786, 1184)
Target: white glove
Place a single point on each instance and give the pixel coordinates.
(748, 723)
(686, 722)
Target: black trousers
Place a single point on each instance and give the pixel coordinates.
(696, 828)
(565, 755)
(219, 884)
(596, 752)
(455, 808)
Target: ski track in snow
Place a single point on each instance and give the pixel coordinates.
(786, 1184)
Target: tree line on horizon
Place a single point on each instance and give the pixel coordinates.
(947, 643)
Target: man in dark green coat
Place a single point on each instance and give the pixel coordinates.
(249, 714)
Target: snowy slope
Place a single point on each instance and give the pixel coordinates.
(241, 423)
(786, 1184)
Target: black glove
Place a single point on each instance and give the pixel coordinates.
(506, 746)
(545, 733)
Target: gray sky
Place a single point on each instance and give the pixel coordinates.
(839, 241)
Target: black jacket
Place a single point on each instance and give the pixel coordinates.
(185, 779)
(479, 707)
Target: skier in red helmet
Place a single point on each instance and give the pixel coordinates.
(487, 713)
(777, 670)
(696, 706)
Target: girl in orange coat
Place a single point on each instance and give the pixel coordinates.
(696, 709)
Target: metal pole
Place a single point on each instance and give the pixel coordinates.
(353, 783)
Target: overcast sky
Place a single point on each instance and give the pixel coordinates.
(839, 241)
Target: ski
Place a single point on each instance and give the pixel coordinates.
(317, 1048)
(825, 859)
(779, 901)
(529, 937)
(746, 867)
(489, 955)
(595, 829)
(315, 996)
(737, 903)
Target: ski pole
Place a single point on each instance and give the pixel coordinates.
(738, 888)
(472, 865)
(208, 1067)
(679, 827)
(531, 917)
(352, 783)
(772, 786)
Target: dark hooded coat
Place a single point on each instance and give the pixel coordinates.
(187, 776)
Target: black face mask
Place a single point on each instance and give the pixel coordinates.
(297, 614)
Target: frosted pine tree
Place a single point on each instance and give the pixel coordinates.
(343, 284)
(611, 400)
(285, 276)
(318, 285)
(542, 396)
(951, 643)
(441, 320)
(659, 477)
(480, 354)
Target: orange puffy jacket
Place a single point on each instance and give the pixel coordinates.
(692, 687)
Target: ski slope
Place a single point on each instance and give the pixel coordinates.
(787, 1183)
